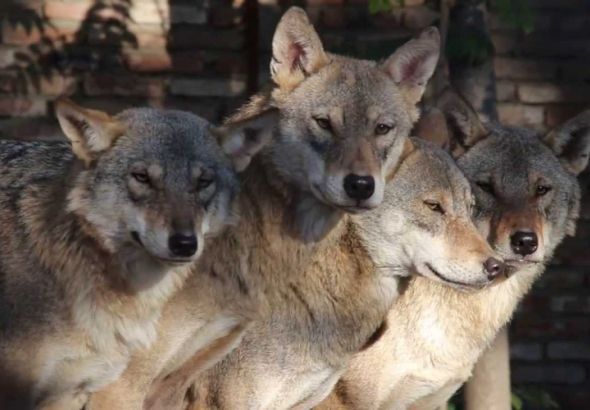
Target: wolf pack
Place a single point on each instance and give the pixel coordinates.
(331, 246)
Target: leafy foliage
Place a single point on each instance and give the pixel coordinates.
(517, 14)
(376, 6)
(533, 397)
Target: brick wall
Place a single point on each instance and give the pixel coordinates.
(544, 79)
(192, 55)
(112, 54)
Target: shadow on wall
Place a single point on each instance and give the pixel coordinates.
(55, 62)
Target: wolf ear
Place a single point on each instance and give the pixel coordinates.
(464, 127)
(571, 142)
(412, 65)
(296, 50)
(432, 126)
(241, 140)
(90, 131)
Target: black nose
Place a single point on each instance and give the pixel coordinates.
(524, 243)
(183, 245)
(494, 268)
(359, 188)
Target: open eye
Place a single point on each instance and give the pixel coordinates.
(141, 176)
(542, 190)
(434, 206)
(382, 129)
(204, 182)
(323, 123)
(485, 186)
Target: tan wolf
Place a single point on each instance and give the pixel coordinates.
(96, 237)
(293, 359)
(342, 128)
(528, 199)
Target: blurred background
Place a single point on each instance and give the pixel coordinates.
(520, 62)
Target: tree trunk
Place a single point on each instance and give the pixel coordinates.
(489, 387)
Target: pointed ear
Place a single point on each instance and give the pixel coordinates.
(464, 127)
(297, 51)
(91, 132)
(571, 142)
(432, 126)
(412, 65)
(241, 140)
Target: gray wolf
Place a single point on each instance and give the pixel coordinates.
(342, 129)
(527, 201)
(293, 358)
(97, 236)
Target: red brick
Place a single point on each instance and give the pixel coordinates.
(387, 19)
(570, 303)
(505, 44)
(518, 69)
(538, 93)
(19, 35)
(124, 85)
(558, 114)
(334, 17)
(576, 399)
(149, 62)
(231, 64)
(208, 87)
(152, 12)
(534, 327)
(518, 114)
(195, 38)
(224, 17)
(576, 70)
(505, 91)
(324, 2)
(22, 107)
(535, 303)
(419, 17)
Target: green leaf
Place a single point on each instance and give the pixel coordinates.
(516, 402)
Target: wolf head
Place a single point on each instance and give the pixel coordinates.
(343, 121)
(425, 222)
(525, 183)
(155, 181)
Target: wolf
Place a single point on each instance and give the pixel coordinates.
(527, 201)
(97, 236)
(341, 131)
(293, 358)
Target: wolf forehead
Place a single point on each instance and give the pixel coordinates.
(520, 153)
(169, 135)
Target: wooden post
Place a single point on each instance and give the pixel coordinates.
(489, 387)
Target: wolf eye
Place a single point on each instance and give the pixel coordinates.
(142, 177)
(204, 183)
(382, 129)
(486, 187)
(434, 206)
(323, 123)
(542, 190)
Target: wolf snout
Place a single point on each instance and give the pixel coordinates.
(494, 268)
(358, 187)
(183, 244)
(524, 243)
